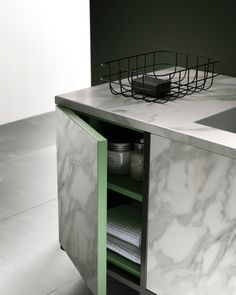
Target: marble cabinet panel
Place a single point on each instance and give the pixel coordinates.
(78, 193)
(192, 221)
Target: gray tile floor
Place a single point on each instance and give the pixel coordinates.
(31, 262)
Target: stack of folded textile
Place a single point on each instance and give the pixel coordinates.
(124, 231)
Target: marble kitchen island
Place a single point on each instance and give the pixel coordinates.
(189, 191)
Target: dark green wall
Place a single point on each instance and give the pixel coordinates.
(125, 27)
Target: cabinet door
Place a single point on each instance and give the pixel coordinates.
(82, 188)
(192, 220)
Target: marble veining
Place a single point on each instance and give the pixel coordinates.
(175, 120)
(192, 221)
(77, 193)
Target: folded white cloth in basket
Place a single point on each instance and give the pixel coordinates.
(124, 249)
(124, 222)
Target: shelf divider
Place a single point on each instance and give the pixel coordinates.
(123, 263)
(125, 185)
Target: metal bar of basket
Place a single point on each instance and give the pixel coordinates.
(186, 80)
(211, 78)
(157, 51)
(160, 75)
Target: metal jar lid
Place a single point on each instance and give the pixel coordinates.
(120, 147)
(139, 145)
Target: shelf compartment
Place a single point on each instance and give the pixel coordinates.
(124, 185)
(123, 277)
(123, 263)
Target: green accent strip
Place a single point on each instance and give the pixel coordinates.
(102, 217)
(124, 185)
(92, 132)
(101, 198)
(123, 263)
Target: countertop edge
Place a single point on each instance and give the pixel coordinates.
(147, 127)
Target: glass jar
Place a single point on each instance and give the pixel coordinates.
(137, 160)
(119, 158)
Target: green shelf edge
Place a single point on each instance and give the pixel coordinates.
(131, 190)
(123, 263)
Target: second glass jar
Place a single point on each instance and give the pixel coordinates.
(137, 161)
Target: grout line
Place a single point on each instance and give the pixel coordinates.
(25, 211)
(65, 284)
(58, 288)
(28, 119)
(52, 292)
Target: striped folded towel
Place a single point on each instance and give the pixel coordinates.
(124, 222)
(124, 249)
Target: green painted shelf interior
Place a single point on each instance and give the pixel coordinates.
(124, 185)
(123, 263)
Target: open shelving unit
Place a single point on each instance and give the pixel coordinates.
(127, 189)
(132, 190)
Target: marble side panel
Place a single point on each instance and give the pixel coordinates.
(192, 221)
(77, 193)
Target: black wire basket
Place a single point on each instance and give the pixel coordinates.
(160, 76)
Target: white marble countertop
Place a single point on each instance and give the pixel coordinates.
(175, 120)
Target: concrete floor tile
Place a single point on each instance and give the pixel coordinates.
(27, 181)
(24, 136)
(30, 241)
(76, 287)
(14, 281)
